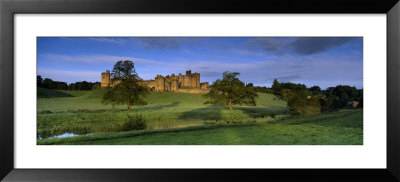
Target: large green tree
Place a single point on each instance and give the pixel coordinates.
(230, 91)
(301, 101)
(130, 90)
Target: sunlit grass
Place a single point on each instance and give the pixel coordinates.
(83, 112)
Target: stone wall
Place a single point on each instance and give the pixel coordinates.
(204, 85)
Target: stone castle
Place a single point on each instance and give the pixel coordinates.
(171, 83)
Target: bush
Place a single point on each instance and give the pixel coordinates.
(137, 122)
(327, 104)
(45, 112)
(301, 101)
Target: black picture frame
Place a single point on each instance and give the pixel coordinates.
(8, 8)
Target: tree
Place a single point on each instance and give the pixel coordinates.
(110, 97)
(39, 81)
(276, 87)
(130, 90)
(301, 101)
(315, 88)
(48, 83)
(327, 103)
(230, 91)
(345, 94)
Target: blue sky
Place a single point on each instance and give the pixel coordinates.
(322, 61)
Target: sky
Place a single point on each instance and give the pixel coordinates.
(322, 61)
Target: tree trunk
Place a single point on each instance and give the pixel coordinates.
(129, 106)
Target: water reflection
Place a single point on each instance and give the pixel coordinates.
(64, 135)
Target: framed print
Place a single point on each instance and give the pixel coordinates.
(153, 91)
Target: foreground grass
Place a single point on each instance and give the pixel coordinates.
(339, 128)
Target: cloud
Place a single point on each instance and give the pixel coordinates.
(71, 76)
(247, 52)
(322, 71)
(277, 46)
(94, 59)
(109, 40)
(307, 46)
(301, 45)
(211, 74)
(286, 78)
(160, 42)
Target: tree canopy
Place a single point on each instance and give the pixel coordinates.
(130, 90)
(230, 91)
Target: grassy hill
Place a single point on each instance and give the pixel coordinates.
(182, 118)
(83, 112)
(91, 100)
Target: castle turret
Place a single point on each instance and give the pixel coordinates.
(105, 79)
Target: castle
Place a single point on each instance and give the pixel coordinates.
(171, 83)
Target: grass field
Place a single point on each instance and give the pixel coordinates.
(182, 118)
(81, 112)
(339, 128)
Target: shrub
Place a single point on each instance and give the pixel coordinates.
(137, 122)
(45, 112)
(301, 101)
(327, 104)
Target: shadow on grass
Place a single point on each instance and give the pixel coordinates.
(351, 119)
(48, 93)
(155, 107)
(213, 112)
(259, 112)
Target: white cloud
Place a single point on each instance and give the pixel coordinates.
(247, 52)
(72, 76)
(309, 71)
(322, 71)
(109, 40)
(94, 59)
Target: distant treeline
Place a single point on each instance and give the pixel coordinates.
(314, 100)
(57, 85)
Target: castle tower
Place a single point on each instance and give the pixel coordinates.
(196, 80)
(187, 79)
(180, 80)
(105, 79)
(160, 83)
(174, 82)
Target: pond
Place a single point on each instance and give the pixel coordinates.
(64, 135)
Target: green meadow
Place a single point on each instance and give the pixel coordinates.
(182, 118)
